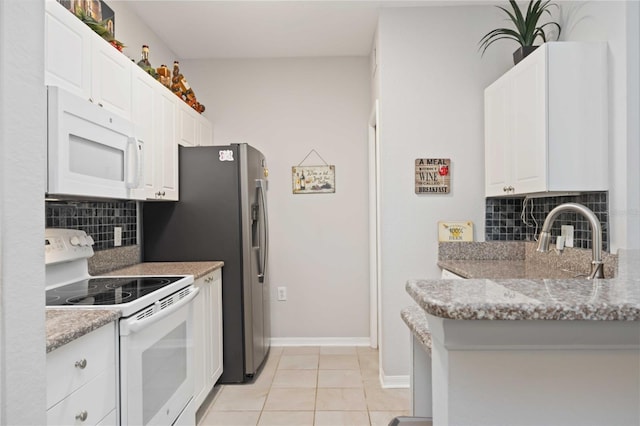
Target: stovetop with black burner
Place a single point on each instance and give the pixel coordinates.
(107, 290)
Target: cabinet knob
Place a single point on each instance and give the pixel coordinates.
(505, 189)
(82, 415)
(81, 364)
(163, 193)
(511, 188)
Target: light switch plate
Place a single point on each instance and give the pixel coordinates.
(567, 232)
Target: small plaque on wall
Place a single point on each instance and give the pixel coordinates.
(313, 179)
(433, 175)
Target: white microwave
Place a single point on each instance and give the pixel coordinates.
(91, 152)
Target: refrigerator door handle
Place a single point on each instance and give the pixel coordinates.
(261, 184)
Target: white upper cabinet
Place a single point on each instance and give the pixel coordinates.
(546, 122)
(67, 51)
(195, 130)
(111, 79)
(166, 159)
(80, 61)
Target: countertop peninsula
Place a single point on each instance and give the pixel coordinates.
(515, 298)
(546, 345)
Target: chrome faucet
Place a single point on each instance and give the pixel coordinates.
(597, 270)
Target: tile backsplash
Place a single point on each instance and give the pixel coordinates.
(504, 218)
(96, 218)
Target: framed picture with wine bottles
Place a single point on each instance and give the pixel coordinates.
(313, 179)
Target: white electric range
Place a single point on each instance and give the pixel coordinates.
(155, 330)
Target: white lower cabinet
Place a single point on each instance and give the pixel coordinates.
(207, 335)
(82, 380)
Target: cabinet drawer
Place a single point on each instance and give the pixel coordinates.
(96, 351)
(97, 398)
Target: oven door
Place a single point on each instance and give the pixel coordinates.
(156, 367)
(92, 152)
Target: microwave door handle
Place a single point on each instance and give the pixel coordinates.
(138, 325)
(133, 173)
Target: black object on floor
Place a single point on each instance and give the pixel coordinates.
(411, 421)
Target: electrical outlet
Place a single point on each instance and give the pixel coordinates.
(567, 232)
(117, 236)
(282, 294)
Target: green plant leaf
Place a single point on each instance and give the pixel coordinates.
(526, 26)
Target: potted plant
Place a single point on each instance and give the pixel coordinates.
(527, 28)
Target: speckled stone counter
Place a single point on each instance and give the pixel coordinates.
(535, 299)
(197, 269)
(66, 325)
(503, 350)
(416, 319)
(518, 260)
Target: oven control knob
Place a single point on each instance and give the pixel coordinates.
(75, 241)
(90, 239)
(84, 241)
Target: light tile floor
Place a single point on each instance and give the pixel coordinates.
(307, 386)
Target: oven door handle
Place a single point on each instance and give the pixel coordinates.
(133, 326)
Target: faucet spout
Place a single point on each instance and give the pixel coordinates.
(597, 269)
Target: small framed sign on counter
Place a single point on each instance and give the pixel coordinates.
(433, 175)
(455, 231)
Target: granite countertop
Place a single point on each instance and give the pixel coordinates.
(497, 269)
(536, 299)
(197, 269)
(416, 319)
(66, 325)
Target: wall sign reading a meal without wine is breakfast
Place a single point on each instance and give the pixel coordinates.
(433, 175)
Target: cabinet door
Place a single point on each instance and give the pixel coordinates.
(497, 139)
(188, 126)
(205, 132)
(111, 79)
(529, 126)
(67, 51)
(216, 327)
(143, 95)
(199, 344)
(167, 160)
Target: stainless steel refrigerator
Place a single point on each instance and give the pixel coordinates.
(222, 215)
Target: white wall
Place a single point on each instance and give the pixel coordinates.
(617, 23)
(134, 33)
(22, 167)
(432, 82)
(319, 243)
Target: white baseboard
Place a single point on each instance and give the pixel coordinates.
(389, 382)
(320, 341)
